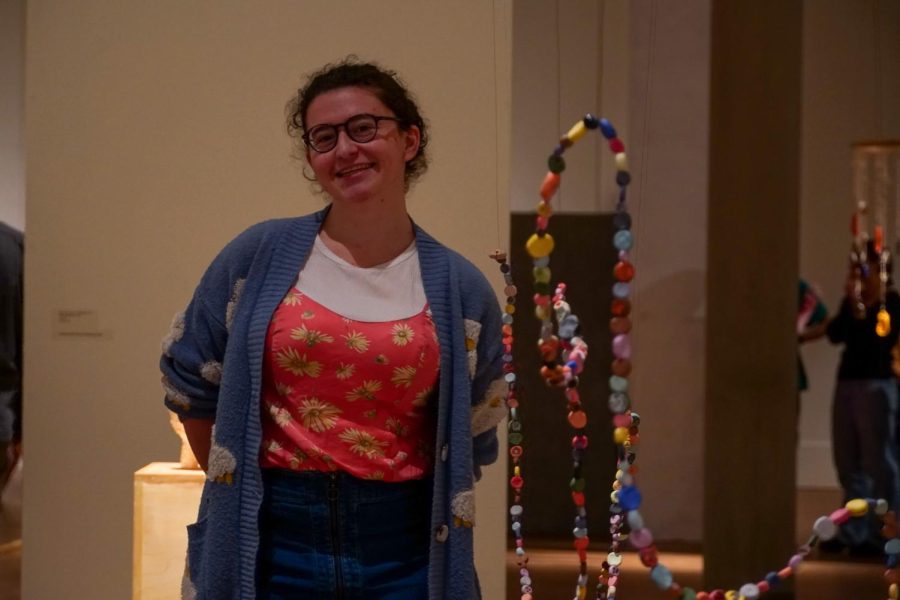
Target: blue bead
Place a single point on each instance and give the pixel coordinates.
(558, 151)
(629, 498)
(623, 240)
(623, 178)
(621, 220)
(572, 365)
(542, 261)
(891, 561)
(609, 132)
(590, 121)
(892, 546)
(661, 576)
(618, 384)
(580, 522)
(773, 579)
(619, 402)
(621, 290)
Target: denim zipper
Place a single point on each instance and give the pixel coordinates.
(335, 535)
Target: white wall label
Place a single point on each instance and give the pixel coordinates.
(77, 323)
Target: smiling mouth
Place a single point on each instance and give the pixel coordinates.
(354, 169)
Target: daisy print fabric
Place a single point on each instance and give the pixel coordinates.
(341, 394)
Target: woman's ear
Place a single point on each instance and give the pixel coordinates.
(413, 138)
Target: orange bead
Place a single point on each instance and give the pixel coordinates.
(618, 325)
(621, 367)
(578, 419)
(891, 576)
(549, 186)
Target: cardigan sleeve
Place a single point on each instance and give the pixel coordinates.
(191, 363)
(194, 349)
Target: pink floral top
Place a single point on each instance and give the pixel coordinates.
(348, 395)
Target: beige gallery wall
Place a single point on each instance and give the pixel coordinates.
(154, 134)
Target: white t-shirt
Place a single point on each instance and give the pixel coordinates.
(385, 292)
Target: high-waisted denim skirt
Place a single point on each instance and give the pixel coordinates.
(331, 536)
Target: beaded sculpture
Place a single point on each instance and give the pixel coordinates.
(564, 339)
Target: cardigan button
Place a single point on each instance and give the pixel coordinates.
(444, 451)
(441, 533)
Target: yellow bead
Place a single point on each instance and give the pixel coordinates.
(542, 313)
(582, 593)
(620, 435)
(893, 592)
(544, 209)
(621, 162)
(857, 507)
(730, 595)
(510, 309)
(883, 326)
(577, 132)
(539, 246)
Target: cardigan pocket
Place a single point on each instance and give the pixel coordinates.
(191, 582)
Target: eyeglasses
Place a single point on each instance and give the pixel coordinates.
(360, 128)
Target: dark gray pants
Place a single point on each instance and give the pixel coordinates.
(864, 444)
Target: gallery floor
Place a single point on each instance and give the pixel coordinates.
(553, 570)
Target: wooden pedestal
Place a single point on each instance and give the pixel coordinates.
(165, 502)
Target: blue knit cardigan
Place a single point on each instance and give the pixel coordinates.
(212, 369)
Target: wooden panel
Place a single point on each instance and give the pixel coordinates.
(752, 290)
(583, 259)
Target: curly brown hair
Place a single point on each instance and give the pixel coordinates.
(387, 87)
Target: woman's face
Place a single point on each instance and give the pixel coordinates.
(360, 171)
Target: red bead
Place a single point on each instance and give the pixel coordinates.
(623, 271)
(649, 557)
(581, 543)
(620, 307)
(516, 482)
(616, 145)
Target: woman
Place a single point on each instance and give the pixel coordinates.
(864, 412)
(339, 376)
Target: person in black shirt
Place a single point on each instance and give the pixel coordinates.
(864, 413)
(11, 243)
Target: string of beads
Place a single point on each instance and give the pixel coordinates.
(625, 497)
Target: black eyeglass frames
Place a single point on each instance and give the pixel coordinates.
(359, 128)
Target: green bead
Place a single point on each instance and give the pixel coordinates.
(541, 274)
(542, 288)
(577, 485)
(556, 163)
(515, 438)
